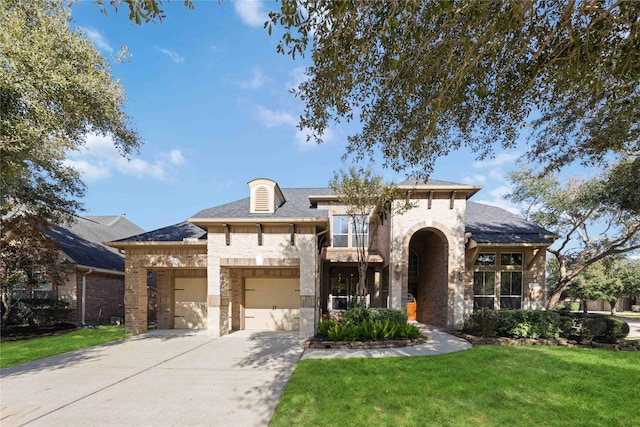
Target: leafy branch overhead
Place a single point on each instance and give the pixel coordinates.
(424, 78)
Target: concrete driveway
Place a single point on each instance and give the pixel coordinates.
(163, 378)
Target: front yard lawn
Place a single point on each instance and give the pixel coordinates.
(483, 386)
(22, 351)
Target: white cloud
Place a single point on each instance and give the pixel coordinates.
(298, 76)
(499, 160)
(172, 54)
(98, 159)
(475, 179)
(251, 12)
(98, 39)
(274, 118)
(304, 144)
(256, 81)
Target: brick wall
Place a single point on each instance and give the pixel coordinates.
(103, 291)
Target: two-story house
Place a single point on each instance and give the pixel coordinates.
(282, 257)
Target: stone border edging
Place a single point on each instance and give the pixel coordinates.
(317, 343)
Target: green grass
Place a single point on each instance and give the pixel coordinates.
(17, 352)
(484, 386)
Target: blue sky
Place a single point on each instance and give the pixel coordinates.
(209, 95)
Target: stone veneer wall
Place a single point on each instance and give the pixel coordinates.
(244, 252)
(142, 258)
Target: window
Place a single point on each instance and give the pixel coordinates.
(339, 294)
(413, 265)
(360, 231)
(43, 291)
(484, 285)
(340, 231)
(262, 199)
(511, 290)
(350, 233)
(511, 259)
(486, 259)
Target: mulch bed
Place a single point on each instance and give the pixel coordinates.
(25, 332)
(475, 340)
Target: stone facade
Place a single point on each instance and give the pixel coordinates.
(428, 251)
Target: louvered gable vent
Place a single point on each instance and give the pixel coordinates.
(262, 199)
(266, 196)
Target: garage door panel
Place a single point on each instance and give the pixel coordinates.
(190, 309)
(272, 304)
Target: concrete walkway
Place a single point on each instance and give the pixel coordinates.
(438, 343)
(171, 378)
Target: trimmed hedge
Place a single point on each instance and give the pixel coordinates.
(358, 315)
(514, 323)
(593, 327)
(546, 324)
(37, 312)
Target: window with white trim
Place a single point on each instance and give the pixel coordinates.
(350, 232)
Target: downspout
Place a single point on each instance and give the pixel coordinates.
(84, 294)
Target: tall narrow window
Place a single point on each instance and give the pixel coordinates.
(413, 265)
(360, 231)
(340, 231)
(484, 288)
(511, 290)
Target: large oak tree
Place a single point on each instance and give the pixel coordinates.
(55, 88)
(594, 224)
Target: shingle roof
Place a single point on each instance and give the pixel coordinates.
(172, 233)
(297, 205)
(491, 224)
(488, 224)
(82, 240)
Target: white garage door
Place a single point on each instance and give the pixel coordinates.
(191, 303)
(272, 304)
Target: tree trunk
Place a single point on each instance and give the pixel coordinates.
(584, 306)
(554, 298)
(612, 304)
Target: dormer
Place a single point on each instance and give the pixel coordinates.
(266, 196)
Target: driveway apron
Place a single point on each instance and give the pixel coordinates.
(162, 378)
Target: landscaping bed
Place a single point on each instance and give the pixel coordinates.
(321, 343)
(25, 332)
(564, 342)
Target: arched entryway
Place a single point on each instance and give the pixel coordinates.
(428, 276)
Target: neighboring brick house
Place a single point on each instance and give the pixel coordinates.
(280, 258)
(95, 287)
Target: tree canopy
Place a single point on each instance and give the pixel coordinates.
(593, 224)
(424, 78)
(55, 88)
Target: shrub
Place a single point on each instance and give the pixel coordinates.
(514, 323)
(528, 324)
(356, 316)
(369, 329)
(481, 322)
(37, 312)
(574, 306)
(593, 327)
(635, 308)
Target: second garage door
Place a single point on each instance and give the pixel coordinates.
(272, 304)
